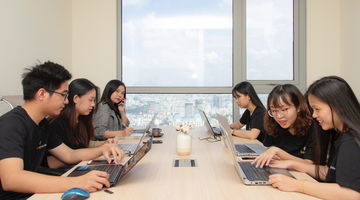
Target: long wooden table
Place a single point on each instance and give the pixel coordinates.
(214, 177)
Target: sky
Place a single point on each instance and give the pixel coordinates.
(189, 43)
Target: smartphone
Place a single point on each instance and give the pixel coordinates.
(155, 142)
(121, 102)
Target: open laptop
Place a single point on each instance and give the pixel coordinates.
(148, 126)
(130, 148)
(241, 149)
(248, 173)
(215, 132)
(116, 172)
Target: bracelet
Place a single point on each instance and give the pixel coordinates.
(93, 144)
(302, 186)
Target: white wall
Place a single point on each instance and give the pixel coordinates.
(333, 40)
(31, 31)
(323, 39)
(351, 43)
(94, 40)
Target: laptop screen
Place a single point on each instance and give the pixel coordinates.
(145, 132)
(207, 123)
(136, 157)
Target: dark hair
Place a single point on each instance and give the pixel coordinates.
(48, 75)
(337, 93)
(247, 89)
(83, 131)
(110, 88)
(289, 94)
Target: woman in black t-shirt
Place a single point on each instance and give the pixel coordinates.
(246, 97)
(334, 106)
(288, 126)
(74, 124)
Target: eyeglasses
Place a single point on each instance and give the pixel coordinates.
(65, 94)
(276, 113)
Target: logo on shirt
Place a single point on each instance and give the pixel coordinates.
(41, 146)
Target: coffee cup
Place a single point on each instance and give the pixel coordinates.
(155, 132)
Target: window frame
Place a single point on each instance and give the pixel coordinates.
(238, 58)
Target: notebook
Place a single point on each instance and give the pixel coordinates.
(248, 173)
(116, 172)
(241, 149)
(214, 132)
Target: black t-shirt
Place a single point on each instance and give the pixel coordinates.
(299, 146)
(61, 127)
(254, 120)
(345, 168)
(21, 138)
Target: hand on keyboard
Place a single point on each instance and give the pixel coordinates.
(115, 151)
(265, 158)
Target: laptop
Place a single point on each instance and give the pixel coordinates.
(116, 172)
(241, 149)
(214, 132)
(148, 126)
(130, 148)
(248, 173)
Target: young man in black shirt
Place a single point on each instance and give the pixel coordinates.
(24, 139)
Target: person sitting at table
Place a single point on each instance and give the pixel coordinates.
(288, 126)
(334, 106)
(74, 124)
(246, 97)
(24, 139)
(110, 118)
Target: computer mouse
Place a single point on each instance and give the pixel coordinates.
(75, 194)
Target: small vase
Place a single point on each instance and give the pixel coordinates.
(183, 144)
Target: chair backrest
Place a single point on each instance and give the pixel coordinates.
(9, 102)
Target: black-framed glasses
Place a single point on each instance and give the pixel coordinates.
(64, 94)
(276, 113)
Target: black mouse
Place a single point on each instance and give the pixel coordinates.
(75, 194)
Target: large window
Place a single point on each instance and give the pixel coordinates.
(177, 43)
(175, 54)
(173, 108)
(269, 40)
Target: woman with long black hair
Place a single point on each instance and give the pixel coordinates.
(334, 106)
(246, 97)
(74, 124)
(110, 119)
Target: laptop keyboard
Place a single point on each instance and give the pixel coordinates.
(112, 170)
(243, 149)
(128, 148)
(254, 174)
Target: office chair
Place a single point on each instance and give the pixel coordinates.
(5, 106)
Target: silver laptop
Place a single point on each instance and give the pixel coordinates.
(214, 132)
(133, 147)
(248, 173)
(148, 126)
(241, 149)
(116, 172)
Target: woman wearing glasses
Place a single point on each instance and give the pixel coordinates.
(336, 107)
(110, 119)
(246, 97)
(288, 126)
